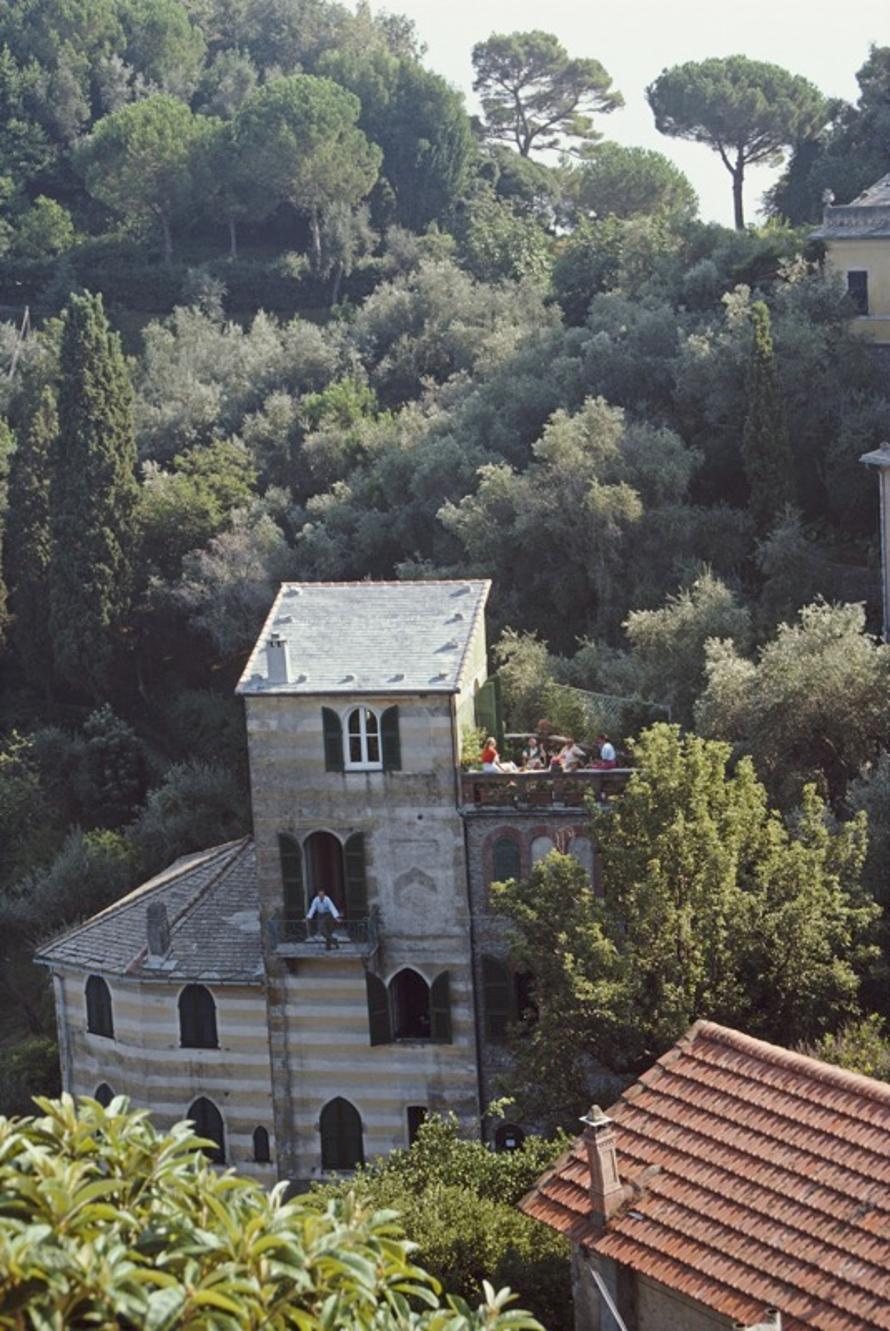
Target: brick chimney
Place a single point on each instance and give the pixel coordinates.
(606, 1190)
(277, 659)
(157, 927)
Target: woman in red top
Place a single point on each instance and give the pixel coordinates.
(490, 759)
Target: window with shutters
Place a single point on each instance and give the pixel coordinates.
(261, 1152)
(197, 1018)
(505, 859)
(497, 988)
(292, 888)
(99, 1016)
(104, 1094)
(209, 1123)
(410, 1003)
(341, 1135)
(416, 1116)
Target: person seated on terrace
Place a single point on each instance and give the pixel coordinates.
(571, 756)
(535, 756)
(607, 758)
(491, 759)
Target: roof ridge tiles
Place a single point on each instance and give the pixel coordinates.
(802, 1064)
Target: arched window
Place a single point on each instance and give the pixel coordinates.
(261, 1153)
(581, 848)
(498, 991)
(99, 1017)
(541, 846)
(292, 888)
(410, 1000)
(363, 740)
(197, 1018)
(104, 1094)
(208, 1123)
(505, 862)
(508, 1137)
(341, 1135)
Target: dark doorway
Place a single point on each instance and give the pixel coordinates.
(324, 867)
(416, 1115)
(208, 1123)
(341, 1135)
(410, 997)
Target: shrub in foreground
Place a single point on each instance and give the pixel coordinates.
(104, 1221)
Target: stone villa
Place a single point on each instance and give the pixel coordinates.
(206, 994)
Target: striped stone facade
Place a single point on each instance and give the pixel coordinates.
(145, 1061)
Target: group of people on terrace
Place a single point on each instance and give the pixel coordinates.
(554, 753)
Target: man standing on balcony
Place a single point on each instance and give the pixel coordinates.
(328, 916)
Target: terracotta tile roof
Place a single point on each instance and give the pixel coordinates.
(771, 1185)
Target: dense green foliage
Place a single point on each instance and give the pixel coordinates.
(370, 338)
(105, 1221)
(457, 1199)
(711, 907)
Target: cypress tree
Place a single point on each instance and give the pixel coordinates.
(7, 444)
(27, 545)
(93, 495)
(766, 446)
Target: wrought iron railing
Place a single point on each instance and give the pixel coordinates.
(297, 931)
(529, 790)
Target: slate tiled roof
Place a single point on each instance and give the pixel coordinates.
(370, 637)
(212, 906)
(867, 215)
(771, 1187)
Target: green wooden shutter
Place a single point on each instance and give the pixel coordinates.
(496, 988)
(356, 884)
(391, 747)
(294, 893)
(333, 740)
(488, 709)
(379, 1020)
(440, 1009)
(505, 859)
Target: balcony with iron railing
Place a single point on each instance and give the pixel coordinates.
(295, 936)
(535, 790)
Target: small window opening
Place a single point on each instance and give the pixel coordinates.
(416, 1115)
(261, 1152)
(341, 1135)
(509, 1137)
(104, 1094)
(197, 1018)
(208, 1123)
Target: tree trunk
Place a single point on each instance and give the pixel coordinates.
(168, 239)
(315, 227)
(738, 177)
(233, 239)
(338, 280)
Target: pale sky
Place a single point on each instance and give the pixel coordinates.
(635, 39)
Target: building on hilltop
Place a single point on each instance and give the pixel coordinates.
(207, 993)
(736, 1184)
(857, 245)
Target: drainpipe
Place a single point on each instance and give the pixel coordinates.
(477, 1011)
